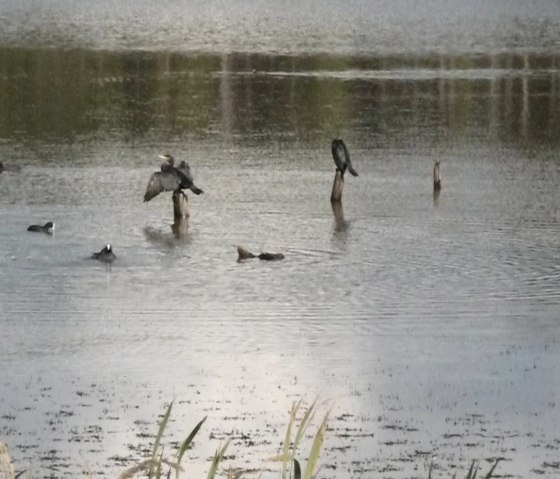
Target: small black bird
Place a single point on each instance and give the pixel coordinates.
(48, 228)
(106, 254)
(342, 157)
(170, 178)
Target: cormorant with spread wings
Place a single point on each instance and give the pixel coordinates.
(170, 178)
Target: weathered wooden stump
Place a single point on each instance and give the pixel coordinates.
(180, 227)
(338, 211)
(180, 205)
(437, 177)
(338, 187)
(436, 198)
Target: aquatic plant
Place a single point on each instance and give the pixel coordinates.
(473, 470)
(5, 464)
(7, 470)
(154, 465)
(290, 447)
(290, 456)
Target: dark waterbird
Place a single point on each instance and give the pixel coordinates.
(246, 254)
(342, 158)
(106, 255)
(170, 178)
(4, 167)
(48, 228)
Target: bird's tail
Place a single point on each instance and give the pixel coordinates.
(195, 190)
(352, 171)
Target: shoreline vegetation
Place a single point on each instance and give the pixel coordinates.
(301, 418)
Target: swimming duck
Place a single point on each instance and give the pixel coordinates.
(4, 167)
(106, 254)
(48, 228)
(246, 254)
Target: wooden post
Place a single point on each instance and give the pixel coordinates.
(339, 222)
(180, 205)
(436, 197)
(338, 187)
(180, 227)
(437, 177)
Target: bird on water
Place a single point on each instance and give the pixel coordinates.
(342, 158)
(4, 167)
(170, 178)
(106, 255)
(48, 228)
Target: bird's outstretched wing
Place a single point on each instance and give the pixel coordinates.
(161, 181)
(154, 187)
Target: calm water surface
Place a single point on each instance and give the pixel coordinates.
(430, 324)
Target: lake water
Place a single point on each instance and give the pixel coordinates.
(431, 325)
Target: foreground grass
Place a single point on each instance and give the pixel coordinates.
(290, 458)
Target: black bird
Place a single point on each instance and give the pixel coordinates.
(106, 254)
(342, 158)
(170, 178)
(48, 227)
(4, 167)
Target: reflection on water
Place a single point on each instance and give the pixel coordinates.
(176, 236)
(429, 317)
(66, 95)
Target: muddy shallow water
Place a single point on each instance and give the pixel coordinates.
(429, 324)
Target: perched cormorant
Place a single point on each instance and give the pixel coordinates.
(106, 254)
(48, 227)
(437, 177)
(342, 158)
(170, 178)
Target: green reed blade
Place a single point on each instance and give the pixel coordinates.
(286, 457)
(297, 469)
(315, 449)
(187, 442)
(216, 461)
(159, 434)
(472, 471)
(309, 414)
(491, 471)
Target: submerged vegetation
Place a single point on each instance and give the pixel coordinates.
(290, 458)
